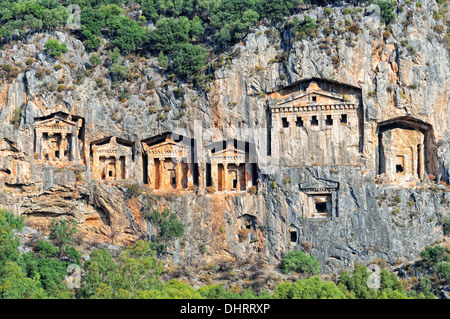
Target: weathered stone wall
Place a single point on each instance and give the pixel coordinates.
(368, 220)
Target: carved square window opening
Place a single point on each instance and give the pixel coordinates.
(321, 205)
(344, 119)
(400, 164)
(314, 98)
(285, 122)
(299, 122)
(329, 120)
(314, 120)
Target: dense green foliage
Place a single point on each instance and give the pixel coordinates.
(136, 272)
(387, 9)
(181, 26)
(169, 227)
(55, 49)
(300, 262)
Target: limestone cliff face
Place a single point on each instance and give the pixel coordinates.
(341, 211)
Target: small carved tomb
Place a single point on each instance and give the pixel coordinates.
(232, 167)
(57, 138)
(111, 159)
(169, 163)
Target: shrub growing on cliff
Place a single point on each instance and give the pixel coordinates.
(62, 233)
(55, 49)
(387, 11)
(187, 60)
(169, 228)
(300, 262)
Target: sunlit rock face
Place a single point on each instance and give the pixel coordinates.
(340, 150)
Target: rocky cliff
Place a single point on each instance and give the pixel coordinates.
(398, 76)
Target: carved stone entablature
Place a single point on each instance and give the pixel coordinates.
(315, 108)
(314, 100)
(230, 155)
(59, 139)
(169, 162)
(112, 158)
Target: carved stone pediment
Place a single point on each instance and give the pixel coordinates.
(314, 99)
(230, 155)
(166, 149)
(112, 149)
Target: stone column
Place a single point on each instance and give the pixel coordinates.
(74, 151)
(39, 142)
(151, 171)
(118, 167)
(225, 177)
(95, 163)
(246, 181)
(275, 139)
(215, 175)
(190, 177)
(162, 180)
(420, 162)
(179, 174)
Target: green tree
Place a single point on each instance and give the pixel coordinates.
(443, 270)
(8, 242)
(15, 285)
(55, 49)
(187, 60)
(169, 228)
(61, 232)
(433, 255)
(300, 262)
(137, 271)
(275, 10)
(387, 11)
(129, 36)
(356, 284)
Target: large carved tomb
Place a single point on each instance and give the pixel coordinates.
(316, 124)
(405, 149)
(231, 166)
(58, 139)
(111, 159)
(168, 162)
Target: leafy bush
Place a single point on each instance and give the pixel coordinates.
(169, 228)
(303, 29)
(387, 11)
(443, 270)
(300, 262)
(188, 60)
(55, 49)
(433, 255)
(46, 249)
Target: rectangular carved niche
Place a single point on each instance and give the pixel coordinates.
(321, 200)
